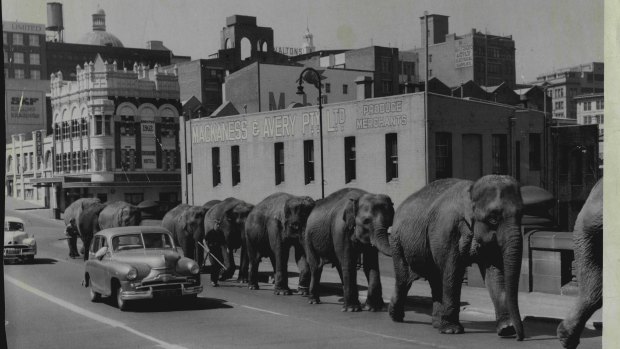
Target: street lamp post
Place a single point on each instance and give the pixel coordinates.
(300, 91)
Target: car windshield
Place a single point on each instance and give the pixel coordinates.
(140, 241)
(13, 226)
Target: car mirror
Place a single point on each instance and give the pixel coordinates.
(101, 252)
(180, 251)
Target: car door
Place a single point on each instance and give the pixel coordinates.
(96, 269)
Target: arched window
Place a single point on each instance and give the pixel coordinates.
(228, 44)
(48, 159)
(246, 48)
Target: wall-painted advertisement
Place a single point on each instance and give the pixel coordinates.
(302, 123)
(464, 56)
(24, 107)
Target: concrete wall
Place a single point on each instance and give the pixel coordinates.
(367, 120)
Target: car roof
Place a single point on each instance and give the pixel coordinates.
(13, 219)
(131, 230)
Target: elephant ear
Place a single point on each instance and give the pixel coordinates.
(349, 213)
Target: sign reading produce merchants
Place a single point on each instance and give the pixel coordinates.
(25, 107)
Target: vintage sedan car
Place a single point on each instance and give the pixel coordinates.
(18, 245)
(139, 262)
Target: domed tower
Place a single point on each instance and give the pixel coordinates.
(99, 36)
(308, 45)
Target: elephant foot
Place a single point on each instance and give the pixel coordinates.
(451, 328)
(436, 323)
(506, 330)
(226, 275)
(397, 314)
(242, 280)
(215, 284)
(354, 308)
(282, 292)
(253, 287)
(374, 305)
(303, 291)
(567, 337)
(314, 300)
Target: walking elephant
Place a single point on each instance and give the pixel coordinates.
(344, 225)
(88, 224)
(186, 223)
(73, 212)
(446, 226)
(119, 214)
(588, 242)
(211, 203)
(224, 225)
(273, 226)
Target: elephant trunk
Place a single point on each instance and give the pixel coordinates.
(380, 240)
(512, 250)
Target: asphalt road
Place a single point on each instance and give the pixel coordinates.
(46, 307)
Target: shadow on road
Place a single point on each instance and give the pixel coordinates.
(35, 261)
(539, 326)
(175, 304)
(421, 304)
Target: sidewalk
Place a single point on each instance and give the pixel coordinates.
(25, 206)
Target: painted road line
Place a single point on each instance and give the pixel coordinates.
(263, 310)
(89, 314)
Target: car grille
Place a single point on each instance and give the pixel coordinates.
(11, 251)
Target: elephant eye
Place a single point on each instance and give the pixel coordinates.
(493, 221)
(367, 221)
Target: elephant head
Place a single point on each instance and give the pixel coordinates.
(296, 212)
(494, 217)
(370, 216)
(192, 221)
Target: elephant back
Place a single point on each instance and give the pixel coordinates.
(73, 211)
(119, 214)
(171, 217)
(209, 204)
(88, 220)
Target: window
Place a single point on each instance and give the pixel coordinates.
(349, 159)
(84, 127)
(85, 160)
(74, 161)
(499, 151)
(235, 164)
(65, 162)
(386, 64)
(599, 104)
(17, 163)
(391, 156)
(18, 57)
(108, 159)
(587, 119)
(19, 74)
(98, 159)
(587, 106)
(6, 57)
(443, 155)
(134, 198)
(430, 72)
(35, 59)
(33, 40)
(430, 58)
(386, 86)
(108, 125)
(535, 149)
(328, 87)
(279, 161)
(75, 132)
(345, 89)
(127, 126)
(215, 165)
(35, 74)
(18, 39)
(308, 161)
(98, 125)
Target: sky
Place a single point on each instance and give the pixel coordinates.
(548, 34)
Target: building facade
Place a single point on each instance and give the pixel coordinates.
(591, 111)
(378, 144)
(24, 50)
(488, 60)
(566, 83)
(115, 135)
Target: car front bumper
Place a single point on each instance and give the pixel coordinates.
(173, 290)
(12, 252)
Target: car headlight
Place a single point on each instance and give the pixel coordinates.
(194, 269)
(132, 274)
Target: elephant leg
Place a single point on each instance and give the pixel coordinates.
(435, 282)
(316, 269)
(243, 264)
(215, 255)
(253, 261)
(402, 285)
(304, 270)
(494, 279)
(349, 281)
(281, 270)
(452, 279)
(588, 257)
(374, 299)
(199, 253)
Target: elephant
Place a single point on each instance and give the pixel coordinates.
(588, 242)
(88, 224)
(274, 225)
(186, 223)
(447, 225)
(74, 210)
(347, 223)
(224, 225)
(211, 203)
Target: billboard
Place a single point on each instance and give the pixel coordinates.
(24, 107)
(464, 56)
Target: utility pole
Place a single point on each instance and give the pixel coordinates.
(426, 169)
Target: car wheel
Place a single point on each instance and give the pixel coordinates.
(120, 303)
(94, 296)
